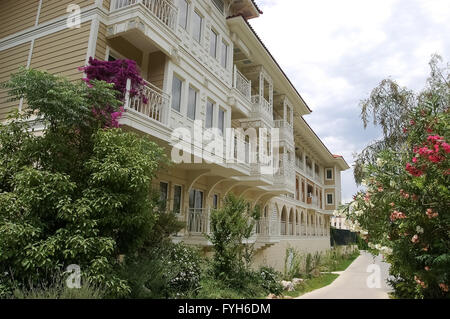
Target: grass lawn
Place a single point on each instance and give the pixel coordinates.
(343, 264)
(312, 284)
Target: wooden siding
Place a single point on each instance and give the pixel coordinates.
(17, 15)
(52, 9)
(100, 51)
(62, 52)
(10, 61)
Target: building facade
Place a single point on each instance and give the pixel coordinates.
(204, 67)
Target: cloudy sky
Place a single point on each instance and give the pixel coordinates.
(336, 52)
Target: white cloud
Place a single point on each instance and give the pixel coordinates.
(336, 52)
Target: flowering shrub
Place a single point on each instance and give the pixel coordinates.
(404, 212)
(117, 73)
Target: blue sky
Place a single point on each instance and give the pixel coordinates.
(336, 52)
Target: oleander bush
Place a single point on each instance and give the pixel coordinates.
(404, 211)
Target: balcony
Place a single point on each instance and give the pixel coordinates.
(284, 178)
(242, 84)
(299, 163)
(147, 112)
(286, 131)
(149, 25)
(261, 108)
(153, 103)
(163, 10)
(312, 200)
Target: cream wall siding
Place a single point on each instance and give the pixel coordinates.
(52, 9)
(17, 15)
(275, 255)
(62, 52)
(10, 61)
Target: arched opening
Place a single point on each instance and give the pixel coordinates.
(291, 222)
(283, 222)
(297, 224)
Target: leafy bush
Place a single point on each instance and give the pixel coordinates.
(270, 280)
(167, 271)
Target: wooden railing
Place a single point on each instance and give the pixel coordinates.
(163, 10)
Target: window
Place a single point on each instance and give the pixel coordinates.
(224, 60)
(329, 199)
(216, 201)
(177, 199)
(222, 120)
(163, 193)
(197, 22)
(329, 173)
(213, 44)
(219, 5)
(176, 93)
(209, 114)
(183, 8)
(192, 103)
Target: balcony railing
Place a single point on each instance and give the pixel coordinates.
(163, 10)
(312, 200)
(261, 105)
(299, 163)
(283, 124)
(242, 84)
(151, 102)
(197, 221)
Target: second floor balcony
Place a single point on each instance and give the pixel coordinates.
(149, 25)
(242, 85)
(153, 104)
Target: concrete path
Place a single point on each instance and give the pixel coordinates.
(365, 278)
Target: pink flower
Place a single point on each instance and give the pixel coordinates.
(427, 268)
(443, 287)
(431, 214)
(415, 239)
(397, 215)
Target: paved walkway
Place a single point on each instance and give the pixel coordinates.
(354, 282)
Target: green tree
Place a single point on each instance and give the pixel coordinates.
(77, 194)
(230, 227)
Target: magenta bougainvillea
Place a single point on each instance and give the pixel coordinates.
(116, 72)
